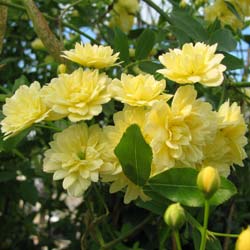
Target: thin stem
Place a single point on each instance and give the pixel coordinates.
(62, 16)
(223, 234)
(194, 222)
(10, 4)
(136, 63)
(222, 97)
(48, 127)
(240, 84)
(110, 244)
(204, 232)
(159, 10)
(177, 239)
(79, 32)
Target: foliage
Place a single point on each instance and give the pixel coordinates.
(35, 211)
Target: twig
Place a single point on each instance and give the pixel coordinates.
(110, 244)
(159, 10)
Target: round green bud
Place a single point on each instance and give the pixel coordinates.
(174, 216)
(208, 181)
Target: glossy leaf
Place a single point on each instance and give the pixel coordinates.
(224, 38)
(232, 62)
(135, 155)
(183, 21)
(179, 185)
(150, 67)
(145, 44)
(121, 45)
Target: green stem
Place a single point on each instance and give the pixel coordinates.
(177, 239)
(110, 244)
(79, 32)
(12, 5)
(136, 63)
(204, 232)
(48, 127)
(159, 10)
(194, 222)
(240, 84)
(62, 16)
(223, 234)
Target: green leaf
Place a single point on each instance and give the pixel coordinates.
(232, 62)
(135, 155)
(22, 80)
(225, 40)
(145, 44)
(28, 192)
(7, 176)
(157, 204)
(150, 67)
(184, 22)
(12, 142)
(179, 185)
(181, 36)
(121, 45)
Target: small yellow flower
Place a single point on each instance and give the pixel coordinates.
(111, 171)
(219, 10)
(74, 156)
(131, 6)
(193, 63)
(92, 56)
(178, 133)
(227, 147)
(141, 90)
(23, 109)
(243, 241)
(121, 18)
(78, 95)
(233, 128)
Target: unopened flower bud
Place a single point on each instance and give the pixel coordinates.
(61, 69)
(243, 241)
(175, 216)
(37, 44)
(183, 3)
(208, 181)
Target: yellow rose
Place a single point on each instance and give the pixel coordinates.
(178, 133)
(140, 90)
(227, 147)
(219, 10)
(111, 171)
(121, 18)
(79, 95)
(23, 109)
(92, 56)
(74, 156)
(193, 63)
(131, 6)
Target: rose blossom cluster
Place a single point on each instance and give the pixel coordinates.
(181, 129)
